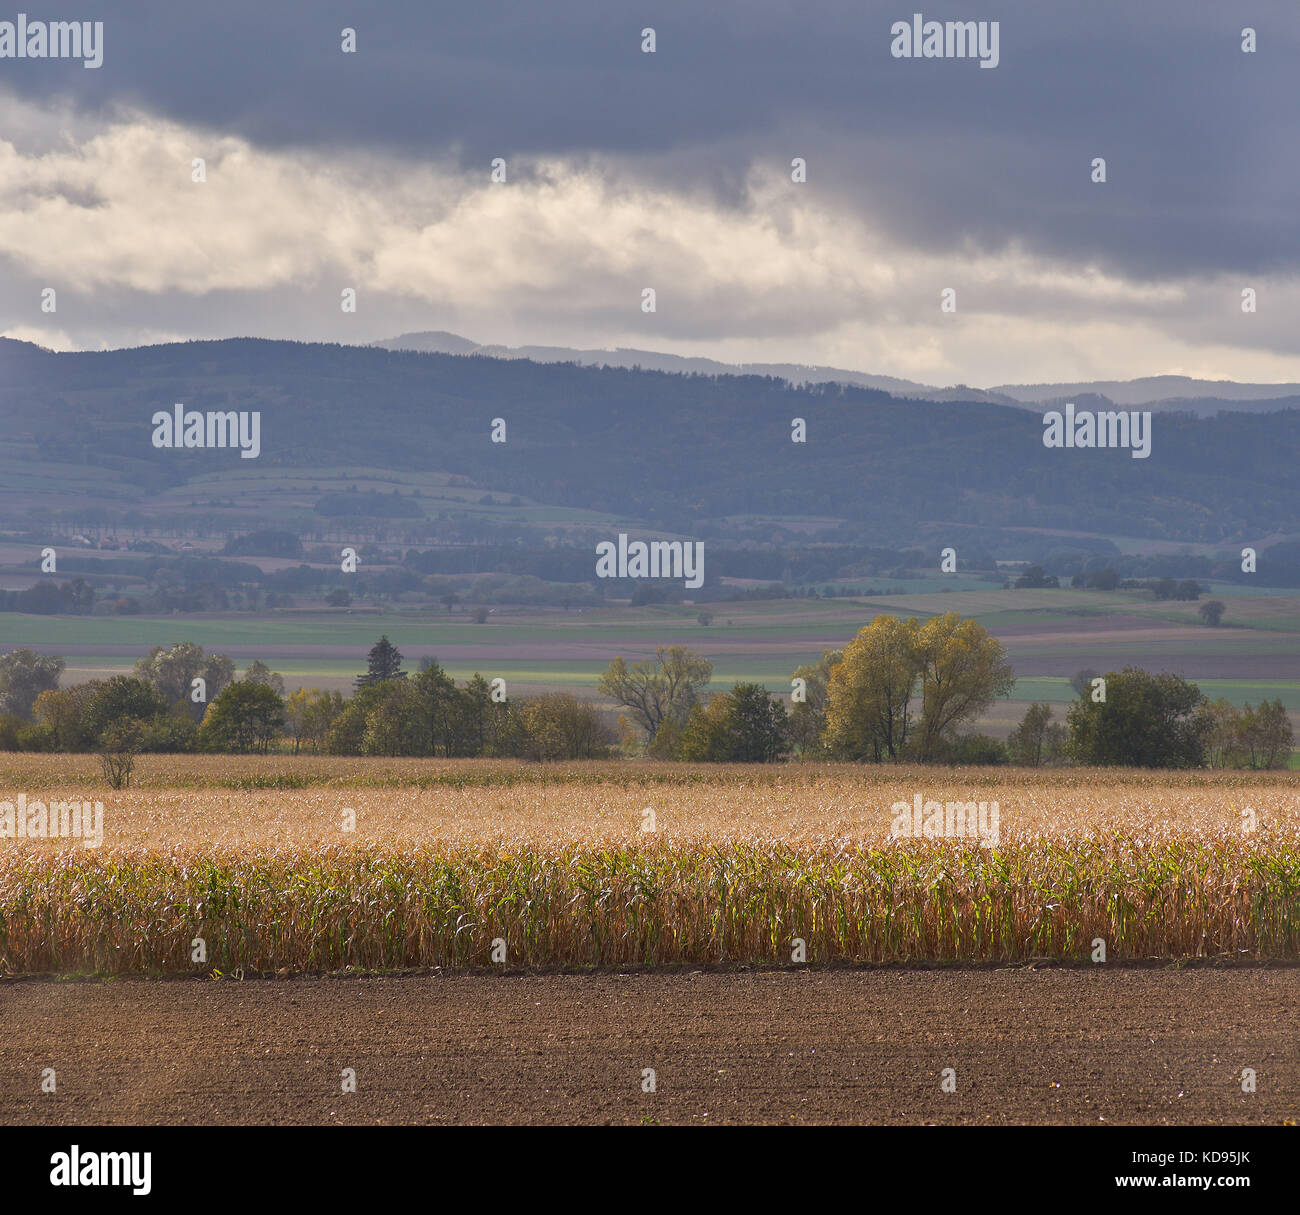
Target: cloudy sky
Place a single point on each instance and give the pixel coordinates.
(670, 170)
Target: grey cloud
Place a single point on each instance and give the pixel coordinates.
(1195, 133)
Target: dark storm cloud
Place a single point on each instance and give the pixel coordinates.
(1199, 138)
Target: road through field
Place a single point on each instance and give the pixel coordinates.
(1143, 1046)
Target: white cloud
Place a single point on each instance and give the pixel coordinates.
(51, 339)
(560, 255)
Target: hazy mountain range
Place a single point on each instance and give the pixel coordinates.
(695, 455)
(1164, 392)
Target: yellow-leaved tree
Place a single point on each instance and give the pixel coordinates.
(869, 689)
(956, 666)
(963, 670)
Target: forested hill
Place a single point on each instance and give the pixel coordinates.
(663, 449)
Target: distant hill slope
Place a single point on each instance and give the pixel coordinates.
(439, 342)
(1151, 388)
(675, 451)
(1169, 392)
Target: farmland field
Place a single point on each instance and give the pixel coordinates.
(320, 864)
(1143, 1047)
(627, 949)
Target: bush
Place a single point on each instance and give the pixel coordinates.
(973, 750)
(173, 731)
(1211, 611)
(1146, 721)
(10, 724)
(35, 736)
(119, 744)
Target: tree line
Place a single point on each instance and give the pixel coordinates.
(903, 690)
(907, 690)
(179, 698)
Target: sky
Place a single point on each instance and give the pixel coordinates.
(625, 170)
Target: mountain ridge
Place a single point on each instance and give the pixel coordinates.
(695, 455)
(1167, 391)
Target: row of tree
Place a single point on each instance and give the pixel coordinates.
(180, 699)
(909, 690)
(901, 690)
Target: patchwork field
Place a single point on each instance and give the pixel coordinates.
(1048, 636)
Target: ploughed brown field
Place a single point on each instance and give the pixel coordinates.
(1062, 1046)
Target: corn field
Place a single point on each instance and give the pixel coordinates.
(656, 904)
(740, 868)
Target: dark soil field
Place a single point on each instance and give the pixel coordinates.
(1055, 1046)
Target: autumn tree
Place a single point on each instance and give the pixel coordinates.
(560, 726)
(758, 725)
(487, 726)
(667, 741)
(118, 698)
(704, 737)
(1219, 725)
(963, 670)
(483, 726)
(1266, 734)
(435, 701)
(245, 717)
(348, 729)
(959, 669)
(746, 725)
(308, 715)
(869, 691)
(392, 725)
(259, 672)
(654, 689)
(62, 714)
